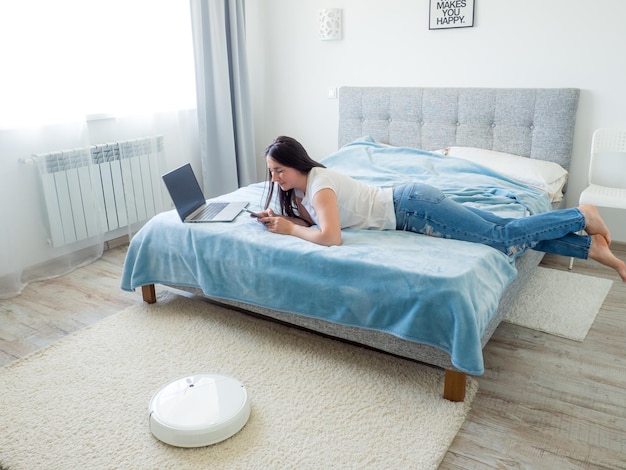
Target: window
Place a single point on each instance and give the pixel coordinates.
(64, 59)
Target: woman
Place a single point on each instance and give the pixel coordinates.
(311, 194)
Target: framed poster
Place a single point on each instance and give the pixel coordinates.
(451, 14)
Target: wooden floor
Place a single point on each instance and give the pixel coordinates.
(543, 402)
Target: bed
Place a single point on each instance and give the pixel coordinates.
(428, 299)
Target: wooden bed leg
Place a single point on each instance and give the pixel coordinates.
(454, 385)
(148, 293)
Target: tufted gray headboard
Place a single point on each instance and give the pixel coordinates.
(532, 122)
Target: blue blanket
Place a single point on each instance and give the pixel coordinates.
(429, 290)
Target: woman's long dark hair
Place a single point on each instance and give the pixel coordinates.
(288, 152)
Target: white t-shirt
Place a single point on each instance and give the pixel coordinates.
(360, 206)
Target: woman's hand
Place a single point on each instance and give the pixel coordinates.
(266, 213)
(276, 223)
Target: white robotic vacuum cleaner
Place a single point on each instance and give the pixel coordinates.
(199, 410)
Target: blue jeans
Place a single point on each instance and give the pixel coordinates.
(421, 208)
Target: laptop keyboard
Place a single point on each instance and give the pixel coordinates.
(210, 210)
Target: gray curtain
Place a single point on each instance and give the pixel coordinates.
(224, 110)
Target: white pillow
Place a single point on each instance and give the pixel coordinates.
(550, 177)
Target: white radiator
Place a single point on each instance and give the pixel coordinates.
(102, 188)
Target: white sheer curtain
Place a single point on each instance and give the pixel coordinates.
(224, 107)
(75, 74)
(25, 238)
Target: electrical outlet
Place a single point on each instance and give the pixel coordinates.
(332, 94)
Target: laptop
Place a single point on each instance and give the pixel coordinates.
(189, 200)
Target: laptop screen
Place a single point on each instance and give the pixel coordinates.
(184, 190)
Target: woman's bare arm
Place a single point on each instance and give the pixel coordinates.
(327, 210)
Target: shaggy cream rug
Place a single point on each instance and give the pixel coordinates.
(316, 403)
(561, 303)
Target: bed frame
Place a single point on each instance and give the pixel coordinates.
(534, 123)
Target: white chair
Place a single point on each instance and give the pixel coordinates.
(606, 184)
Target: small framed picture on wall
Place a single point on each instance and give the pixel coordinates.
(451, 14)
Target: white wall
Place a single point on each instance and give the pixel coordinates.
(534, 43)
(24, 239)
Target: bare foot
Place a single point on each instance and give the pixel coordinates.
(594, 223)
(600, 252)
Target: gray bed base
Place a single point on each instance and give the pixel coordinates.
(535, 123)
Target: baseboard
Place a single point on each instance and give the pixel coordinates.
(115, 242)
